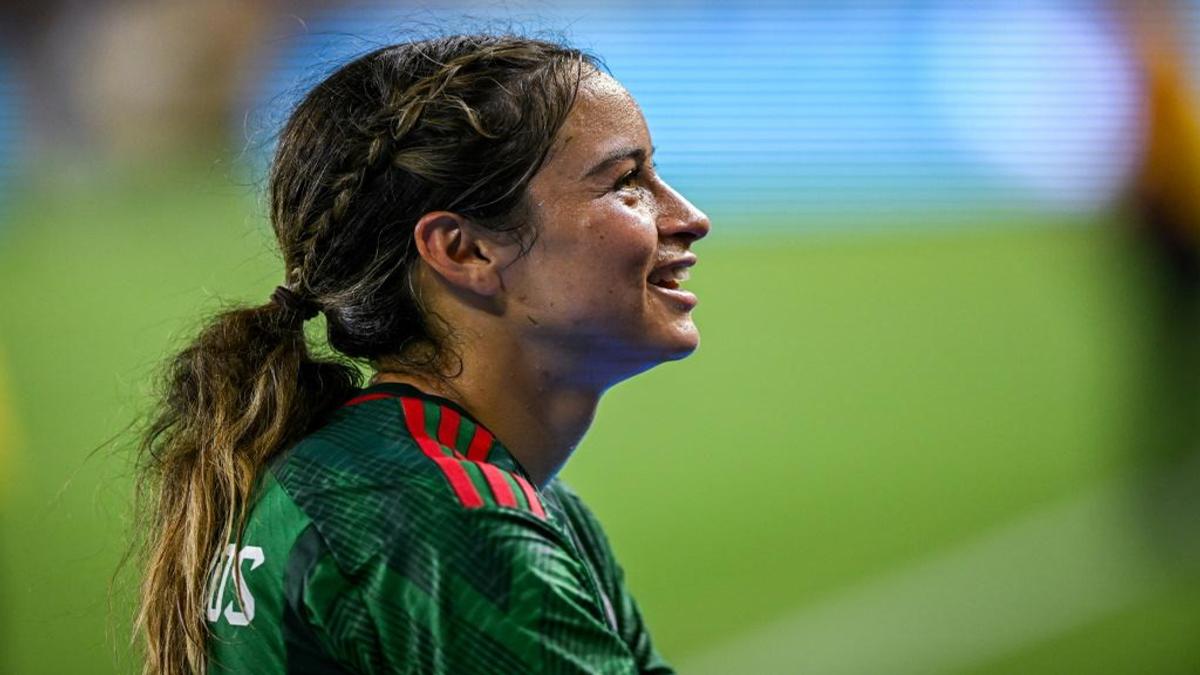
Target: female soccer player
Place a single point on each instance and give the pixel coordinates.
(479, 220)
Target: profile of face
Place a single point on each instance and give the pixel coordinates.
(602, 285)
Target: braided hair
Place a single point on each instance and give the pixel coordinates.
(457, 123)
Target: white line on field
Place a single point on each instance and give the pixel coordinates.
(1057, 569)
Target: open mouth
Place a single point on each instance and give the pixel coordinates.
(670, 277)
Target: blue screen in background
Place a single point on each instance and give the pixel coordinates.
(822, 114)
(10, 132)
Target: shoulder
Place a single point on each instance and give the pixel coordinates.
(564, 498)
(493, 590)
(583, 521)
(375, 481)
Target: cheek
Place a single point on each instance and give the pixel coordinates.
(599, 278)
(590, 262)
(616, 231)
(623, 232)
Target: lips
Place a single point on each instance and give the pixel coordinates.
(667, 276)
(671, 274)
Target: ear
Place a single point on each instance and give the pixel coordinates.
(464, 255)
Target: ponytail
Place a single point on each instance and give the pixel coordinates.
(243, 390)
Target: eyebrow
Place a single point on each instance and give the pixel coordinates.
(637, 154)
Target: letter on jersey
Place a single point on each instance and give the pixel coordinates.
(240, 610)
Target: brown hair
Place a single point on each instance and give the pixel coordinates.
(459, 123)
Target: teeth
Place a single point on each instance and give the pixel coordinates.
(671, 275)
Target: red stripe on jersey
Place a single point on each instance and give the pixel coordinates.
(448, 429)
(460, 482)
(368, 397)
(500, 487)
(481, 444)
(531, 496)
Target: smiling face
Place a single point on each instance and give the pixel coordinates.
(600, 286)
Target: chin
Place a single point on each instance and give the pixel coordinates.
(638, 359)
(682, 344)
(683, 352)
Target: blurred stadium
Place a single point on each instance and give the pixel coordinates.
(946, 413)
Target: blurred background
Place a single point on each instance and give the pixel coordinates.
(946, 413)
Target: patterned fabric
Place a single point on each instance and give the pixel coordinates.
(402, 537)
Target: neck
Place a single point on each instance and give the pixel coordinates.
(540, 419)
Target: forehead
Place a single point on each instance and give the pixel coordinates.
(605, 118)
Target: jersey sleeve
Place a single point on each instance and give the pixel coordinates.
(502, 593)
(554, 612)
(633, 630)
(631, 625)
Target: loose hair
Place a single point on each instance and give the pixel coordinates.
(459, 123)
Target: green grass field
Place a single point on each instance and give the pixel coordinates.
(912, 452)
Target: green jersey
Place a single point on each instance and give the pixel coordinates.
(402, 537)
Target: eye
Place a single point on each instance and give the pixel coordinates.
(629, 179)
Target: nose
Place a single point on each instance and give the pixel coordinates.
(680, 217)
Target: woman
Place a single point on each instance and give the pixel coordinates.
(479, 221)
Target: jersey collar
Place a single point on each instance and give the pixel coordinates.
(447, 422)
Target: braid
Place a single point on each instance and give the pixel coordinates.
(399, 119)
(390, 126)
(322, 226)
(344, 188)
